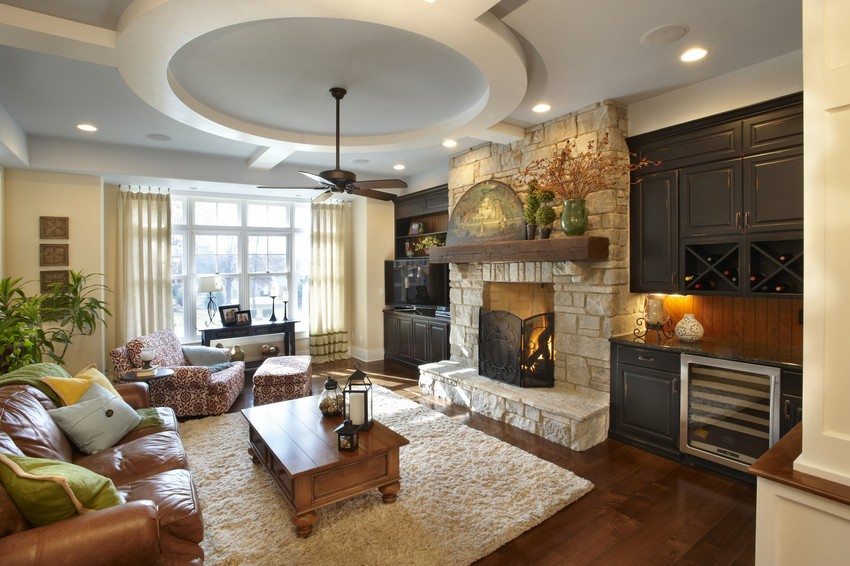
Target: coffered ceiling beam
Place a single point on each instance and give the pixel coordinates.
(267, 158)
(33, 31)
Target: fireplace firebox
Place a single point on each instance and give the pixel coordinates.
(516, 350)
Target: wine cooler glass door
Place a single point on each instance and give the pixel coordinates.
(727, 410)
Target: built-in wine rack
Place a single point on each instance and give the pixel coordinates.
(759, 266)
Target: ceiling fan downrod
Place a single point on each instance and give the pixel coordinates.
(337, 92)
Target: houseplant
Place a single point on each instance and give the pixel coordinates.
(44, 325)
(529, 210)
(574, 174)
(424, 243)
(545, 216)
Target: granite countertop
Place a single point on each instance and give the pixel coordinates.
(718, 347)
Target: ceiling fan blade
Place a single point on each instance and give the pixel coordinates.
(323, 197)
(295, 188)
(371, 194)
(318, 179)
(379, 184)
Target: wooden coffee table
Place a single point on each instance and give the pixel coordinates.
(298, 447)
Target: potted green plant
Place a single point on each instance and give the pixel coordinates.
(529, 210)
(545, 216)
(44, 325)
(423, 244)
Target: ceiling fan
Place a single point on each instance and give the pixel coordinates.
(341, 181)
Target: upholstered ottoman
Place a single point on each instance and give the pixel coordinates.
(283, 378)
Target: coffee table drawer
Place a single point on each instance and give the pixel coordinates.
(352, 476)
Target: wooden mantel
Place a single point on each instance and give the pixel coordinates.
(574, 248)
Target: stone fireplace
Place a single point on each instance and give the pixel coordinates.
(591, 300)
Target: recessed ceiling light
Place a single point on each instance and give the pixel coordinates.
(398, 166)
(693, 54)
(158, 137)
(449, 143)
(360, 161)
(664, 35)
(86, 127)
(431, 1)
(540, 108)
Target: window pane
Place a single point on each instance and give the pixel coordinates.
(177, 306)
(204, 244)
(262, 289)
(277, 245)
(229, 295)
(227, 263)
(257, 263)
(204, 264)
(210, 213)
(301, 216)
(227, 244)
(277, 264)
(268, 216)
(178, 210)
(177, 254)
(300, 298)
(257, 244)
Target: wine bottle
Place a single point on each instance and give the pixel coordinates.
(689, 278)
(782, 288)
(784, 258)
(756, 277)
(712, 258)
(698, 286)
(764, 288)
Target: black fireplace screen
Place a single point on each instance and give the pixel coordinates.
(516, 351)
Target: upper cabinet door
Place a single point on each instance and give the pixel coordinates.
(654, 233)
(773, 191)
(710, 199)
(774, 130)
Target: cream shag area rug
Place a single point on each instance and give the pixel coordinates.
(463, 495)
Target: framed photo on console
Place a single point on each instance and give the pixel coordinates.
(228, 314)
(243, 318)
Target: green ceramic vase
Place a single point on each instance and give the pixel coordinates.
(574, 217)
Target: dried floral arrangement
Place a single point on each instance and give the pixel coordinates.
(574, 174)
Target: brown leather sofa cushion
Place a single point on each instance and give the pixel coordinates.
(25, 419)
(126, 463)
(175, 496)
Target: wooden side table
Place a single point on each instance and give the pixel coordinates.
(158, 373)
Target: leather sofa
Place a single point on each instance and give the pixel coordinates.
(160, 521)
(193, 391)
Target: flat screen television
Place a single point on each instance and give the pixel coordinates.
(416, 283)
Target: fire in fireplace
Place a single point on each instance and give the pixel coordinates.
(515, 350)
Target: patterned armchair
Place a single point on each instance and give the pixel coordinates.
(192, 390)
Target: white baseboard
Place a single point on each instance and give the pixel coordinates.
(367, 355)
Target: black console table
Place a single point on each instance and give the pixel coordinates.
(287, 328)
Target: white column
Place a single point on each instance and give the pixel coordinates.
(826, 357)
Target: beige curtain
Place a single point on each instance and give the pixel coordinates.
(331, 233)
(143, 289)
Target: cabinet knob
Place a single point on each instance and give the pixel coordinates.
(646, 359)
(747, 219)
(738, 220)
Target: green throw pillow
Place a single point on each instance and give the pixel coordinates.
(47, 491)
(97, 421)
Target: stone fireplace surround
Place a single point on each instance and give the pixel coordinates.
(591, 299)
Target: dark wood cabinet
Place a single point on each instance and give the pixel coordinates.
(654, 227)
(711, 199)
(739, 198)
(424, 213)
(645, 399)
(773, 199)
(790, 400)
(414, 339)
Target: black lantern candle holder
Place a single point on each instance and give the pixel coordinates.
(357, 399)
(348, 436)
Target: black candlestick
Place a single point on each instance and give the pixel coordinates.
(273, 317)
(284, 311)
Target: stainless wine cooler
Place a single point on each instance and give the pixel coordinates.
(729, 410)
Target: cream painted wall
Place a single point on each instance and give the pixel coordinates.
(372, 238)
(110, 250)
(30, 194)
(763, 81)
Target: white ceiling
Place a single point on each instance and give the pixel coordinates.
(418, 75)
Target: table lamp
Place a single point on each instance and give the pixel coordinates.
(209, 284)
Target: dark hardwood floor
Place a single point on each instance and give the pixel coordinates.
(644, 509)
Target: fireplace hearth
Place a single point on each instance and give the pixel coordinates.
(515, 350)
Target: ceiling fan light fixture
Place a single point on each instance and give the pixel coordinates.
(399, 167)
(449, 143)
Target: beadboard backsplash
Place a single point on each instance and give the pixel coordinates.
(750, 320)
